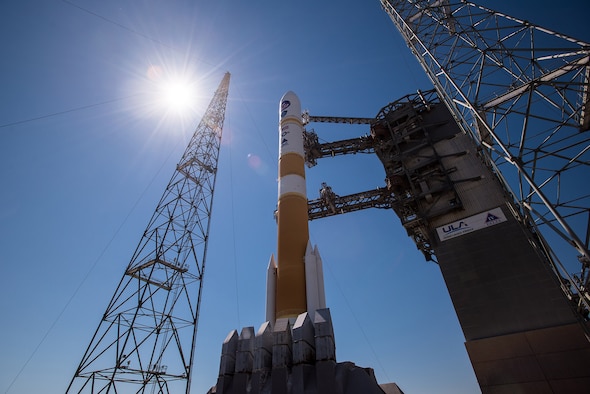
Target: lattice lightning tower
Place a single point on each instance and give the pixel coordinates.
(145, 341)
(521, 91)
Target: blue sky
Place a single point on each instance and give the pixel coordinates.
(79, 187)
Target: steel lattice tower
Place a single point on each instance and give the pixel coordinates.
(145, 341)
(521, 91)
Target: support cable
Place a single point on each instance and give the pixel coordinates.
(233, 226)
(130, 29)
(272, 157)
(68, 111)
(92, 267)
(358, 323)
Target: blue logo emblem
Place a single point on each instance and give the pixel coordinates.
(491, 218)
(452, 228)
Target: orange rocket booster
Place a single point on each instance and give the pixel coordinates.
(293, 232)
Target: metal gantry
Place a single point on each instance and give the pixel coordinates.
(521, 91)
(404, 136)
(145, 341)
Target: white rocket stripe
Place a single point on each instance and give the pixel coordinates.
(292, 183)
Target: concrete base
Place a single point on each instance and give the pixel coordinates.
(285, 359)
(551, 360)
(522, 335)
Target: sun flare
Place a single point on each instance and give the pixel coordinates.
(178, 95)
(173, 94)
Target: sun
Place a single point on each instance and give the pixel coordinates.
(174, 94)
(178, 95)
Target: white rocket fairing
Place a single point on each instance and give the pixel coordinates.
(295, 283)
(314, 279)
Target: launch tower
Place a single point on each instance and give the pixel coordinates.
(521, 93)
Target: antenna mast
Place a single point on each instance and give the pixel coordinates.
(145, 341)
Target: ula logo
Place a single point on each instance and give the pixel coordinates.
(451, 228)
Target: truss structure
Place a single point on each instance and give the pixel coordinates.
(330, 204)
(521, 91)
(145, 341)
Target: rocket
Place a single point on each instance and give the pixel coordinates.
(295, 282)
